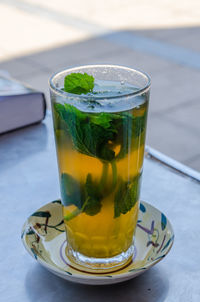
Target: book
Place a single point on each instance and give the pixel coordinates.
(20, 105)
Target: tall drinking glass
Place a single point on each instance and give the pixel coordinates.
(100, 139)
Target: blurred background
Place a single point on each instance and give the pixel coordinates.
(161, 38)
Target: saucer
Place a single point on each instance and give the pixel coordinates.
(43, 236)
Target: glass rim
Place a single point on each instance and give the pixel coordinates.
(87, 97)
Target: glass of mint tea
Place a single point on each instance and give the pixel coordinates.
(100, 114)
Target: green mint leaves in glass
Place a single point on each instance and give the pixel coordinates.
(100, 115)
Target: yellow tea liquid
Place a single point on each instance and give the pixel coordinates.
(100, 188)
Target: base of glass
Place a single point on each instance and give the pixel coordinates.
(99, 265)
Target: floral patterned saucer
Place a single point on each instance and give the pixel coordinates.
(43, 236)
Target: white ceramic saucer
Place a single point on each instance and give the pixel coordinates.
(44, 238)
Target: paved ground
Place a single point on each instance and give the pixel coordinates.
(159, 37)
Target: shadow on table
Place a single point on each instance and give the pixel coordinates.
(42, 285)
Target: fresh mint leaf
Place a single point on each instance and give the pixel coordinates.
(131, 133)
(93, 197)
(97, 141)
(71, 191)
(126, 196)
(103, 119)
(86, 197)
(88, 137)
(78, 83)
(59, 117)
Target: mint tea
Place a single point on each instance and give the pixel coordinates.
(100, 127)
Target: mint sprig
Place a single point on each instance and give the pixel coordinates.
(126, 196)
(97, 135)
(90, 136)
(86, 197)
(78, 83)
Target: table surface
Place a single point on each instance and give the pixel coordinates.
(29, 179)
